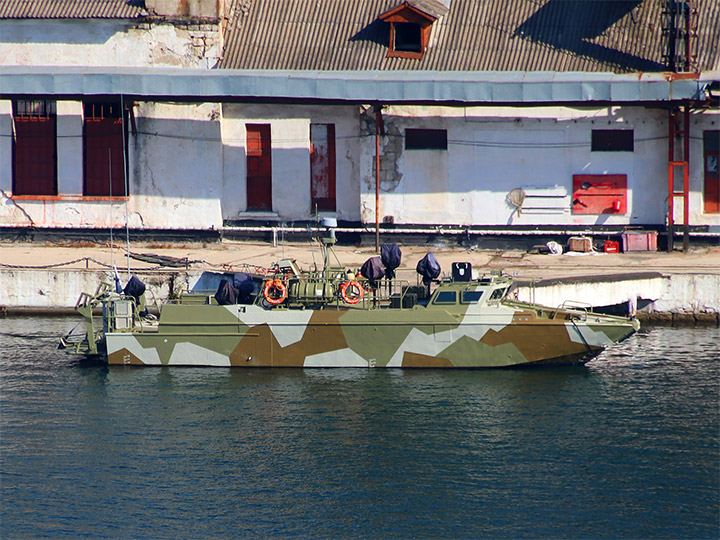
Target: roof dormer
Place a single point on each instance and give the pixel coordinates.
(410, 25)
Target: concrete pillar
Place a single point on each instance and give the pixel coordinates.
(70, 147)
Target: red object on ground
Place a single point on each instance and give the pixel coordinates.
(639, 241)
(611, 246)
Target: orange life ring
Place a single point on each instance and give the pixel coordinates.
(354, 284)
(275, 292)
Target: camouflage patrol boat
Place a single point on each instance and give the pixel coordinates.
(337, 318)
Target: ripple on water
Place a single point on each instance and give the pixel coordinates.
(624, 447)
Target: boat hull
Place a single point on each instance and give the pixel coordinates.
(248, 336)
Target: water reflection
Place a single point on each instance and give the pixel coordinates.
(626, 446)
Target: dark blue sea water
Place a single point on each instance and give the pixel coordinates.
(626, 447)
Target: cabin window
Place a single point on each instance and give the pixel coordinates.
(34, 148)
(446, 297)
(497, 294)
(471, 297)
(612, 140)
(426, 139)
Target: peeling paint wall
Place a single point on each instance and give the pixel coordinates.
(492, 151)
(176, 167)
(108, 43)
(175, 173)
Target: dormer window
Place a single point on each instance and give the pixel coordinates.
(407, 37)
(410, 25)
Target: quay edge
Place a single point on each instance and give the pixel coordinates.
(677, 299)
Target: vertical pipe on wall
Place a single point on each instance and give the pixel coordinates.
(671, 177)
(686, 177)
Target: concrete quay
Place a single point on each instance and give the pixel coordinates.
(668, 288)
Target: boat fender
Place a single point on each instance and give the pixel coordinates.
(275, 292)
(356, 290)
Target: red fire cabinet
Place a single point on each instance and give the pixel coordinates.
(599, 194)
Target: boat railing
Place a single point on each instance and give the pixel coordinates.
(398, 293)
(383, 292)
(573, 307)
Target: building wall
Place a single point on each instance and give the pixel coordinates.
(174, 177)
(188, 166)
(492, 151)
(176, 167)
(175, 174)
(108, 43)
(290, 136)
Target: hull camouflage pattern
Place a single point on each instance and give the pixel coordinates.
(249, 336)
(310, 320)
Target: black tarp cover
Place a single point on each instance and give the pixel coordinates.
(428, 268)
(226, 293)
(134, 288)
(373, 270)
(391, 257)
(243, 282)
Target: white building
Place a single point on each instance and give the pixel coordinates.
(260, 117)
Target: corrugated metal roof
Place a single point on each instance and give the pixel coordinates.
(71, 9)
(526, 35)
(353, 86)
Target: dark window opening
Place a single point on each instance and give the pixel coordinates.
(34, 148)
(446, 297)
(259, 167)
(612, 140)
(471, 297)
(426, 139)
(322, 167)
(103, 150)
(407, 37)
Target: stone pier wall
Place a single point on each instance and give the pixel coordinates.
(677, 299)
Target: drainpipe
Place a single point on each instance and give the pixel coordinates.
(379, 130)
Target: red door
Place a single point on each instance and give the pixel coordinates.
(712, 176)
(259, 167)
(322, 166)
(34, 149)
(104, 151)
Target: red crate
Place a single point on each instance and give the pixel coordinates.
(639, 241)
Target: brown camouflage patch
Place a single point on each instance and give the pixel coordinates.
(536, 339)
(416, 360)
(123, 357)
(323, 334)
